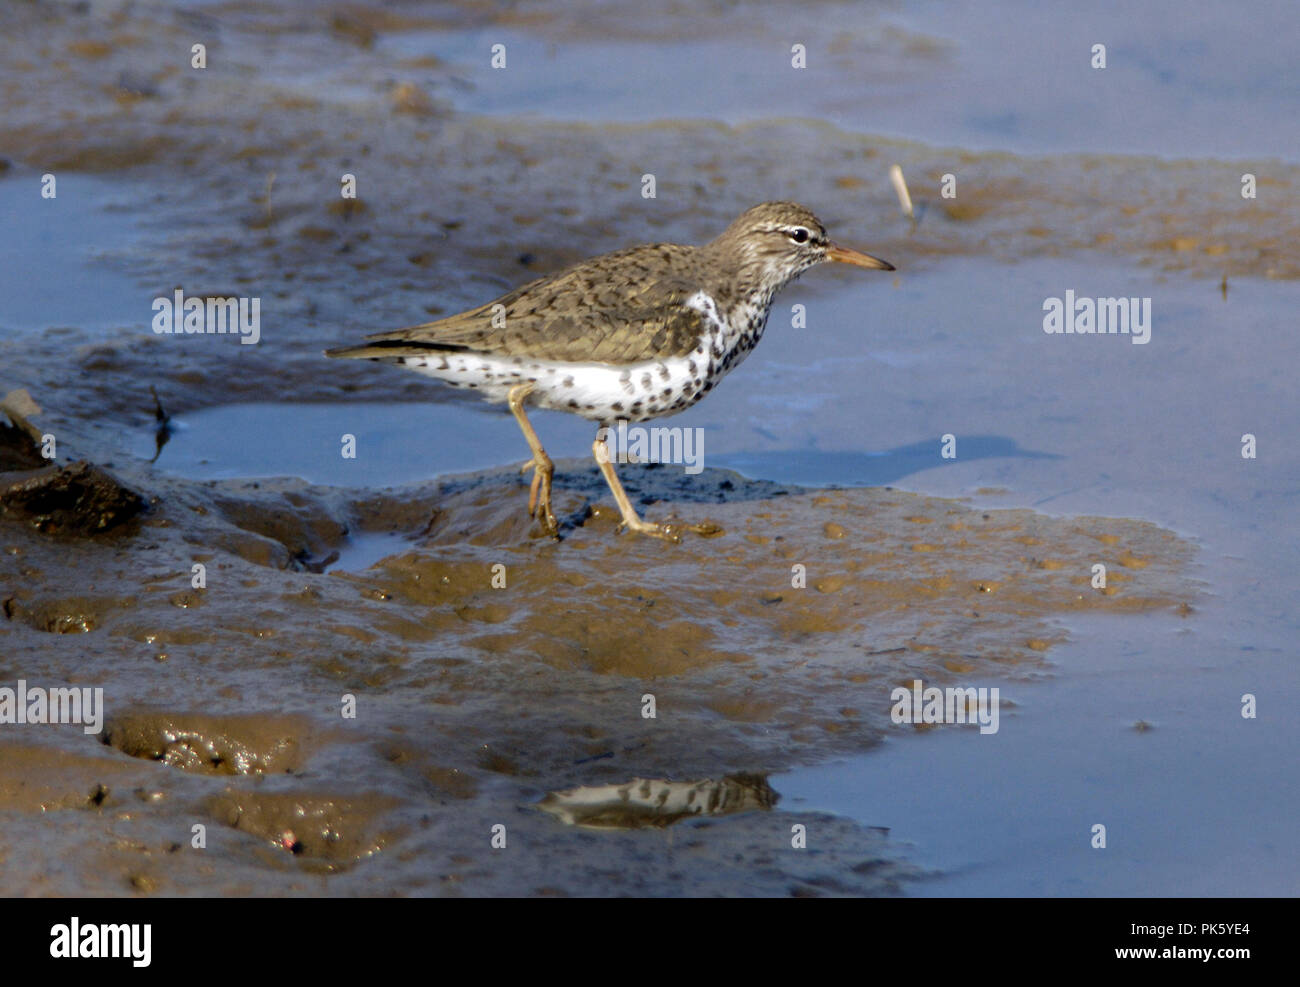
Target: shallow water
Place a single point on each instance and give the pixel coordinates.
(52, 256)
(394, 443)
(364, 549)
(1190, 804)
(1178, 82)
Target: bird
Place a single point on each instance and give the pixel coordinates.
(632, 335)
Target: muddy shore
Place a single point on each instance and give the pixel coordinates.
(489, 669)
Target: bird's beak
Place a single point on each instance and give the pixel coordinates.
(846, 256)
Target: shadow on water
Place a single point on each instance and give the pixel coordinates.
(817, 468)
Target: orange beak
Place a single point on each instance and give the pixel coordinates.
(846, 256)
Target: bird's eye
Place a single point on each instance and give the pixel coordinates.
(798, 235)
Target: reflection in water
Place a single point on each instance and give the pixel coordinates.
(162, 425)
(645, 802)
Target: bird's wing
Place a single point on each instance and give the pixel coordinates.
(611, 310)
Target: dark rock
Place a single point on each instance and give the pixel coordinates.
(18, 451)
(79, 499)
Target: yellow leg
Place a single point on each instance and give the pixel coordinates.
(668, 532)
(543, 469)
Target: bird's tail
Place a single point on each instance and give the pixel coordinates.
(364, 352)
(387, 349)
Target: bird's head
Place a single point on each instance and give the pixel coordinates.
(778, 241)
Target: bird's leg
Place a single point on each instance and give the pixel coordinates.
(600, 450)
(668, 532)
(543, 468)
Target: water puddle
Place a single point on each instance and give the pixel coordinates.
(53, 270)
(364, 549)
(938, 72)
(1141, 732)
(393, 443)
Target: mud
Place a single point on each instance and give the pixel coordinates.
(215, 745)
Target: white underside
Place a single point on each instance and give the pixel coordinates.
(595, 387)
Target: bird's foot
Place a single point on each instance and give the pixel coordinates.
(672, 531)
(549, 525)
(539, 495)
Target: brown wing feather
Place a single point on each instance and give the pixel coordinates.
(620, 308)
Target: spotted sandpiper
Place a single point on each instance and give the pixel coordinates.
(637, 334)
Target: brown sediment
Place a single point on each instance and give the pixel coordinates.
(254, 743)
(35, 778)
(338, 831)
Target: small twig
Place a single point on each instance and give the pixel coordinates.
(900, 187)
(266, 201)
